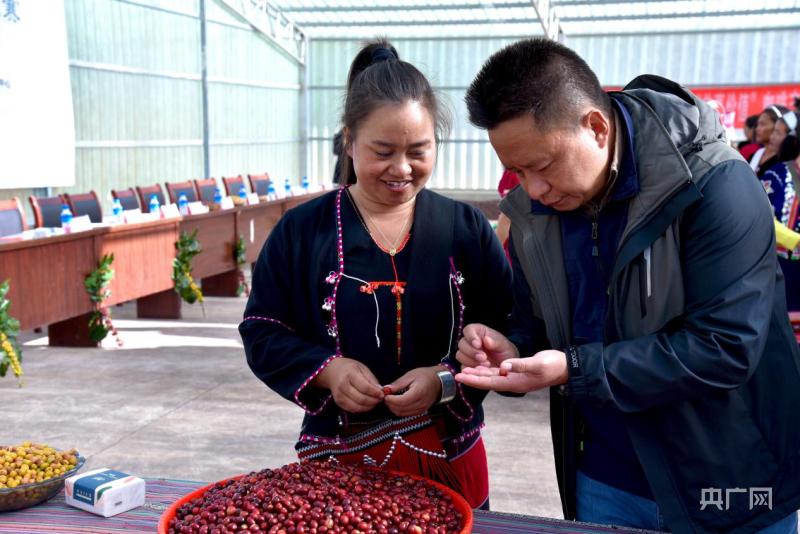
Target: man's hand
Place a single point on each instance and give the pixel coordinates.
(483, 346)
(519, 375)
(422, 390)
(353, 386)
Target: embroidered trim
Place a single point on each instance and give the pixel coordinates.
(308, 381)
(267, 319)
(458, 280)
(336, 278)
(318, 439)
(468, 434)
(421, 421)
(392, 429)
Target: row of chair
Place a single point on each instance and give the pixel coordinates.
(47, 210)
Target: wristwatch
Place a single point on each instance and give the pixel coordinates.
(448, 386)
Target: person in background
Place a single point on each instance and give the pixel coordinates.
(359, 296)
(777, 179)
(766, 156)
(507, 182)
(778, 183)
(749, 146)
(647, 296)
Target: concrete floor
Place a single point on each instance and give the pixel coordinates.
(178, 401)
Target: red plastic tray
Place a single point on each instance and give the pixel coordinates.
(458, 501)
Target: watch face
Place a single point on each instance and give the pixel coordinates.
(448, 386)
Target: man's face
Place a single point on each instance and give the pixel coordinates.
(562, 168)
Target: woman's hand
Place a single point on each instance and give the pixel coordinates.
(481, 346)
(420, 389)
(353, 386)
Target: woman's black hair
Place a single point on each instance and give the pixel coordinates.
(775, 111)
(790, 147)
(378, 77)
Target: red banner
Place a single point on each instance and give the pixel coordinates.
(739, 102)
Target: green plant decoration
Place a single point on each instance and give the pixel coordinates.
(187, 248)
(96, 284)
(9, 329)
(240, 257)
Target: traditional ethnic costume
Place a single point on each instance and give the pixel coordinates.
(323, 289)
(778, 183)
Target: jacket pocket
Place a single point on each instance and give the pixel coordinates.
(715, 447)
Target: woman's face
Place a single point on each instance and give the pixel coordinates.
(779, 133)
(764, 128)
(394, 152)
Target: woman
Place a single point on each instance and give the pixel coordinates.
(765, 157)
(749, 146)
(359, 296)
(777, 181)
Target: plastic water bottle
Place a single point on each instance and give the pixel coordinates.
(287, 188)
(243, 193)
(66, 216)
(154, 204)
(271, 194)
(305, 184)
(183, 204)
(116, 210)
(218, 196)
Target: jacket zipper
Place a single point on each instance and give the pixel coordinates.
(642, 225)
(567, 511)
(642, 286)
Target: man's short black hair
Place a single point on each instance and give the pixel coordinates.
(536, 76)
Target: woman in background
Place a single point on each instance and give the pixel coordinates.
(766, 156)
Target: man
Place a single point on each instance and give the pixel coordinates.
(648, 298)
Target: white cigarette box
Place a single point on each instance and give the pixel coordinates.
(104, 492)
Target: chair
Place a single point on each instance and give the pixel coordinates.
(233, 185)
(206, 189)
(177, 189)
(126, 197)
(146, 192)
(259, 183)
(12, 218)
(85, 204)
(47, 211)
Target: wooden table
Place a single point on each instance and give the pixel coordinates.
(47, 273)
(55, 516)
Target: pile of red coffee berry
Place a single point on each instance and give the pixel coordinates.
(320, 497)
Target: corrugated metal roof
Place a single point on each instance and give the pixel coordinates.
(594, 17)
(443, 18)
(423, 18)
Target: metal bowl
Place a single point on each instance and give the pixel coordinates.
(37, 492)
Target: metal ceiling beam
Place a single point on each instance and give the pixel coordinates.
(571, 3)
(693, 15)
(548, 19)
(404, 7)
(409, 23)
(568, 3)
(270, 21)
